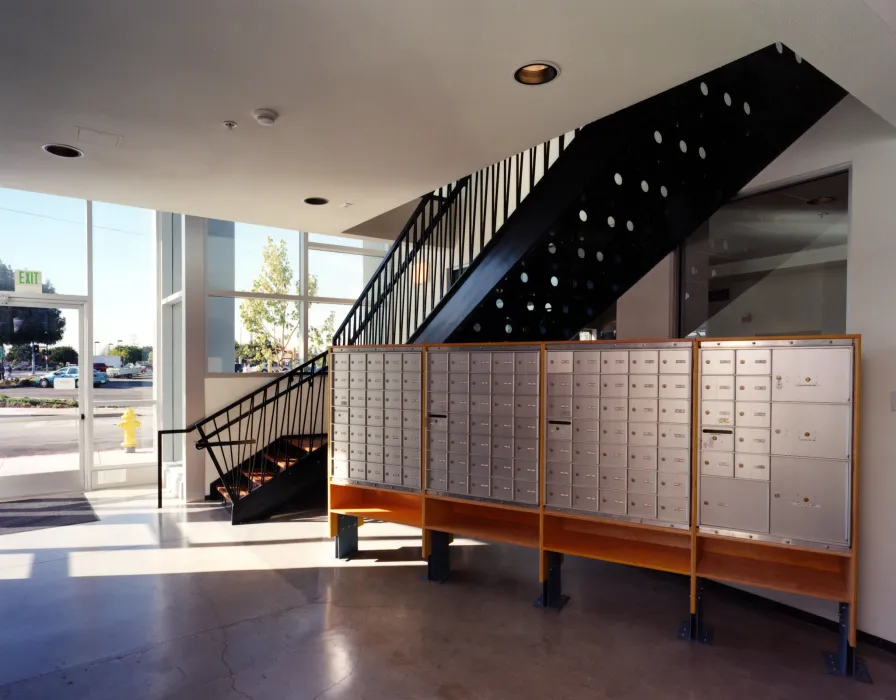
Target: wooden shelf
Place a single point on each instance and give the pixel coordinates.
(493, 522)
(380, 504)
(822, 574)
(662, 549)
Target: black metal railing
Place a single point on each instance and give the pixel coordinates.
(258, 437)
(448, 231)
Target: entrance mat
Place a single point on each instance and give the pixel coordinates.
(41, 513)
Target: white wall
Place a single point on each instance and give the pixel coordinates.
(852, 135)
(647, 310)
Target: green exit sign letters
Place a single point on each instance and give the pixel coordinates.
(29, 281)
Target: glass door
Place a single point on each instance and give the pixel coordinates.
(43, 395)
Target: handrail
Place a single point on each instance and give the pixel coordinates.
(254, 439)
(444, 204)
(314, 367)
(449, 230)
(301, 369)
(418, 211)
(160, 435)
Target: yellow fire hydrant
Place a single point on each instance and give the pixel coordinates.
(129, 425)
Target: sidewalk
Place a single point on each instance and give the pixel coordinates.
(44, 464)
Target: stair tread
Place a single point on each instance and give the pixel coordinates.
(258, 478)
(243, 491)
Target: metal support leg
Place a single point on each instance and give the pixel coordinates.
(552, 597)
(844, 661)
(438, 564)
(695, 629)
(346, 536)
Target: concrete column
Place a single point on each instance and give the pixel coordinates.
(194, 300)
(220, 263)
(648, 309)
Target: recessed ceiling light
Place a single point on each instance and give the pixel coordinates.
(537, 73)
(821, 200)
(317, 201)
(63, 151)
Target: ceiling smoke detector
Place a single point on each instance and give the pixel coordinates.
(62, 151)
(265, 117)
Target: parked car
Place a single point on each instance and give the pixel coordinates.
(99, 378)
(126, 372)
(100, 366)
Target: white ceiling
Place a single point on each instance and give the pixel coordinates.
(380, 100)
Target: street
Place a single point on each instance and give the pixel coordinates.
(20, 437)
(115, 389)
(24, 433)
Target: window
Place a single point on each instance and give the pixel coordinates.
(46, 233)
(771, 264)
(263, 283)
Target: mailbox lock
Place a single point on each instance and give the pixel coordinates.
(715, 437)
(664, 386)
(743, 361)
(778, 431)
(778, 377)
(808, 379)
(741, 413)
(706, 503)
(707, 413)
(707, 362)
(806, 434)
(742, 387)
(777, 495)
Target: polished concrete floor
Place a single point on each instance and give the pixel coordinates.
(179, 604)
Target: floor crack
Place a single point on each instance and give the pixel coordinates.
(230, 670)
(339, 682)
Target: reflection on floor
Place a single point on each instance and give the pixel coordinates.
(179, 604)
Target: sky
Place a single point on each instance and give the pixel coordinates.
(47, 233)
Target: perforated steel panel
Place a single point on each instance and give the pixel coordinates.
(627, 191)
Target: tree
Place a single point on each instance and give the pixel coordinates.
(319, 339)
(128, 353)
(18, 353)
(273, 323)
(23, 325)
(64, 355)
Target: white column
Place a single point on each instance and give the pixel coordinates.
(194, 300)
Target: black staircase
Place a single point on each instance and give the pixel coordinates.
(535, 250)
(270, 445)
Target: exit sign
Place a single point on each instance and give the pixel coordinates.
(29, 281)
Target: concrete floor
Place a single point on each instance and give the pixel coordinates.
(179, 604)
